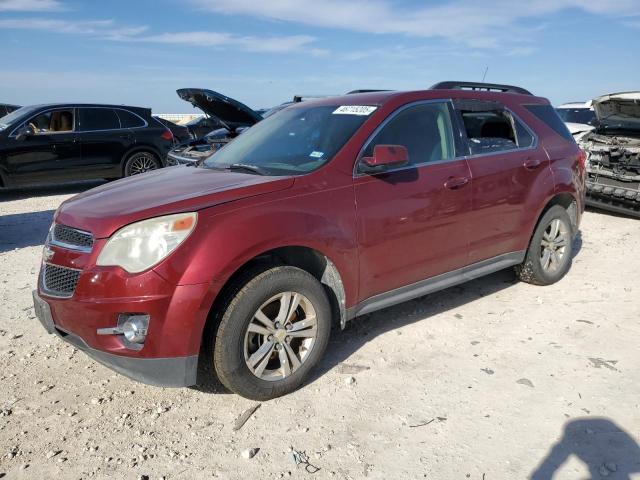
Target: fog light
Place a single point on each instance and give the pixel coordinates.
(134, 327)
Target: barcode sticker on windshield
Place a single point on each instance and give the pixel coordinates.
(354, 110)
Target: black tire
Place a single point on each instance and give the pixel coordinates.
(228, 341)
(532, 270)
(141, 162)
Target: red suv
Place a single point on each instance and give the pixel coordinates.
(236, 269)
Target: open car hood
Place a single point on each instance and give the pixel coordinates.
(618, 108)
(230, 112)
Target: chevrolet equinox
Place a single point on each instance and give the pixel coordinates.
(235, 270)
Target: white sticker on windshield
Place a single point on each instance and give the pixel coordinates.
(354, 110)
(316, 154)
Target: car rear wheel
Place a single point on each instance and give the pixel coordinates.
(141, 162)
(549, 255)
(273, 332)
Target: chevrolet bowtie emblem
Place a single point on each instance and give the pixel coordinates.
(47, 254)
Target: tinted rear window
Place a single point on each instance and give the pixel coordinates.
(129, 120)
(98, 119)
(548, 115)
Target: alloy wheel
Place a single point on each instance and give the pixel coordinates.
(554, 245)
(280, 336)
(142, 162)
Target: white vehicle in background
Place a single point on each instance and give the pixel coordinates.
(613, 154)
(579, 117)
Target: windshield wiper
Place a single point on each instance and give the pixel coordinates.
(247, 168)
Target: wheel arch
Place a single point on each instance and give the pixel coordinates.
(306, 258)
(565, 199)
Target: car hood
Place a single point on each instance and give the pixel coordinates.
(105, 209)
(618, 108)
(230, 112)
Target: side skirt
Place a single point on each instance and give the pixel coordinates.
(437, 283)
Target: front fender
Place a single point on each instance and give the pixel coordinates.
(230, 235)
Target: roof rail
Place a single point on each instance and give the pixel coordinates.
(301, 98)
(366, 90)
(487, 87)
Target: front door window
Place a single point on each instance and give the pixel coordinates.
(54, 121)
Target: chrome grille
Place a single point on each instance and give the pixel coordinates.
(72, 238)
(59, 281)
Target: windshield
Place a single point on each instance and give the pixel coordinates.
(292, 142)
(7, 120)
(577, 115)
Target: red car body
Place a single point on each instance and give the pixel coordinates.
(377, 236)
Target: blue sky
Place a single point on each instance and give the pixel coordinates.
(264, 52)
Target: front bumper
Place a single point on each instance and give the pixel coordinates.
(161, 372)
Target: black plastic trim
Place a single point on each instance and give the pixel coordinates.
(437, 283)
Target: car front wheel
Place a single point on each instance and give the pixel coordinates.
(273, 332)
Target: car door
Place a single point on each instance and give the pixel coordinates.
(49, 153)
(104, 141)
(504, 163)
(411, 219)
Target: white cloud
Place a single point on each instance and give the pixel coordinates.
(105, 28)
(29, 5)
(478, 24)
(221, 39)
(109, 30)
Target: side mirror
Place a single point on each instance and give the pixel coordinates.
(24, 132)
(385, 156)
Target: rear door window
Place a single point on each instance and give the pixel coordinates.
(129, 120)
(92, 119)
(424, 130)
(491, 128)
(489, 131)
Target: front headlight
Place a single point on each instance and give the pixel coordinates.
(142, 245)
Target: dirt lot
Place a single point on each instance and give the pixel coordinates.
(491, 380)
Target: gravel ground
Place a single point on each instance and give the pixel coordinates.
(494, 379)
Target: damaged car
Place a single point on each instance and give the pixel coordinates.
(613, 154)
(232, 117)
(579, 117)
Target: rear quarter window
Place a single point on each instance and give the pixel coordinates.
(129, 120)
(549, 116)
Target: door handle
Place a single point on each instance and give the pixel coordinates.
(531, 163)
(455, 183)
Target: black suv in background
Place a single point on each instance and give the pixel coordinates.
(63, 142)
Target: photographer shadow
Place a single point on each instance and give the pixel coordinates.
(605, 448)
